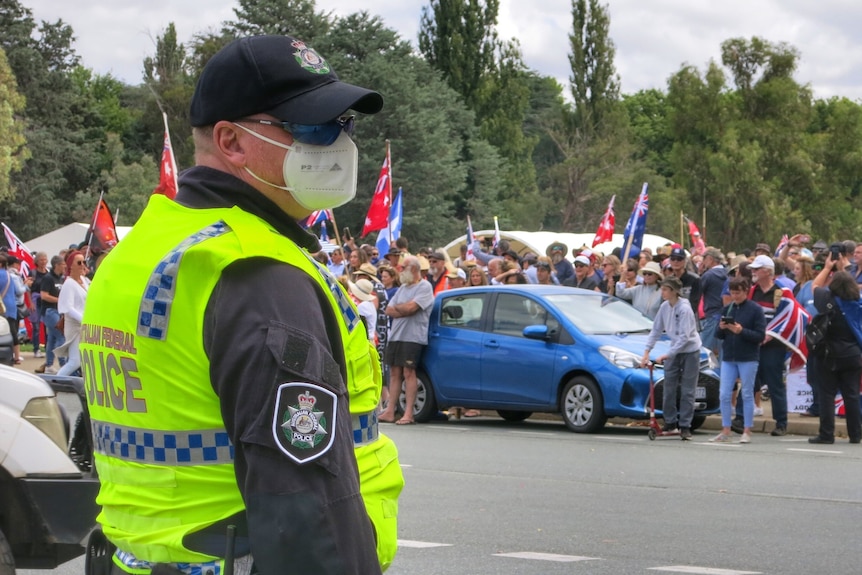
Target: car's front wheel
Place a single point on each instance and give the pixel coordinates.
(581, 405)
(697, 421)
(511, 415)
(7, 560)
(425, 405)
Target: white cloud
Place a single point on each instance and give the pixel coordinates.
(653, 39)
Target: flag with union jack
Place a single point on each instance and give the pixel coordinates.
(788, 326)
(378, 211)
(19, 250)
(781, 243)
(605, 233)
(318, 216)
(636, 226)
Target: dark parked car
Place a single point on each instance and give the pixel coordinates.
(525, 349)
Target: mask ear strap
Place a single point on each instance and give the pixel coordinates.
(261, 180)
(264, 138)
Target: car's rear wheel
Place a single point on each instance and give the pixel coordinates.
(510, 415)
(697, 421)
(7, 560)
(425, 405)
(582, 406)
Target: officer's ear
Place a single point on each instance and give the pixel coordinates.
(229, 144)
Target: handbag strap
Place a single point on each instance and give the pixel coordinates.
(8, 281)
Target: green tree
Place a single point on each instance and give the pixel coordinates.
(426, 124)
(66, 146)
(297, 18)
(591, 135)
(459, 39)
(13, 149)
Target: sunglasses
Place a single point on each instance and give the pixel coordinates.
(79, 262)
(543, 266)
(677, 259)
(314, 134)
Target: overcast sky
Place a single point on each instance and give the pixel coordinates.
(653, 38)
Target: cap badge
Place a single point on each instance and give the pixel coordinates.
(309, 59)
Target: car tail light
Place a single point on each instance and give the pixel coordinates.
(44, 414)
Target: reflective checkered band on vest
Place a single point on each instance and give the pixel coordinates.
(159, 293)
(365, 428)
(201, 447)
(132, 562)
(351, 316)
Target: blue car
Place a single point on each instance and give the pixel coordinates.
(520, 349)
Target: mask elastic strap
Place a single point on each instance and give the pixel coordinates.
(264, 138)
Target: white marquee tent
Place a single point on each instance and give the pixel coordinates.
(61, 238)
(538, 242)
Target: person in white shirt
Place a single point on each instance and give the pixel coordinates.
(73, 297)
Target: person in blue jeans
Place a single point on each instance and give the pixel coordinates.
(50, 294)
(741, 328)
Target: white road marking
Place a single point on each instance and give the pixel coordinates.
(814, 450)
(614, 438)
(719, 444)
(702, 570)
(421, 544)
(546, 557)
(529, 433)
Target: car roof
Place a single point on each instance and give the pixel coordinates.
(534, 289)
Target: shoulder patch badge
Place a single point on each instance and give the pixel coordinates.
(309, 59)
(303, 424)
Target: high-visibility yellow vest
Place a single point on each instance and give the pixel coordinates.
(161, 448)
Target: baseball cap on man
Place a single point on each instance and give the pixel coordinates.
(677, 253)
(277, 75)
(439, 256)
(762, 262)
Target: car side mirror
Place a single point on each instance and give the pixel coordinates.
(536, 332)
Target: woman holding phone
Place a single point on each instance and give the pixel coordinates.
(741, 329)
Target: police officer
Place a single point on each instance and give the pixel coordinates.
(219, 356)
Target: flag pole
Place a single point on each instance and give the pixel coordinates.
(335, 225)
(391, 188)
(681, 228)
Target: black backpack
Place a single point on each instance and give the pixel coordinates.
(817, 330)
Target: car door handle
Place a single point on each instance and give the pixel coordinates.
(492, 344)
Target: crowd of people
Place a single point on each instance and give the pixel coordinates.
(49, 300)
(738, 305)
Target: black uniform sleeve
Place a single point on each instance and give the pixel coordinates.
(268, 324)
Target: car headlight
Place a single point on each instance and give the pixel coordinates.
(711, 360)
(619, 357)
(44, 414)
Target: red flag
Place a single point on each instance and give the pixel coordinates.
(378, 212)
(605, 233)
(168, 168)
(697, 242)
(102, 235)
(20, 251)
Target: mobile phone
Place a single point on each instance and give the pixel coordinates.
(835, 253)
(346, 233)
(727, 319)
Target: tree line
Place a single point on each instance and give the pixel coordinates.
(473, 130)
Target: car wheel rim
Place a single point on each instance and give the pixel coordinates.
(579, 405)
(419, 404)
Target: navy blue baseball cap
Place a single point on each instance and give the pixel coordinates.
(276, 75)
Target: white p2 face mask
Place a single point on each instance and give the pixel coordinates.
(318, 177)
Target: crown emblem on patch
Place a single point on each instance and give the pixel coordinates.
(306, 401)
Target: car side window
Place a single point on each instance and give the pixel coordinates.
(462, 311)
(513, 313)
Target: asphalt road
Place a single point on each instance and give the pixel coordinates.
(487, 489)
(488, 497)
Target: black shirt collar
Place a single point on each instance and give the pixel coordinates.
(202, 187)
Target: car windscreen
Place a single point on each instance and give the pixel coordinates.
(600, 314)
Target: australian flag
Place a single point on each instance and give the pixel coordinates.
(788, 326)
(636, 225)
